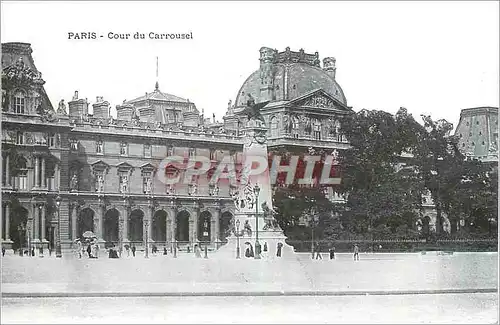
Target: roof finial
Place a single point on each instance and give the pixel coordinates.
(157, 85)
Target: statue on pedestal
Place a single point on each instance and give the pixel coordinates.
(252, 111)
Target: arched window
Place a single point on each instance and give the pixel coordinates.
(19, 102)
(274, 127)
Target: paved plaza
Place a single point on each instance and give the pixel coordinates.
(389, 287)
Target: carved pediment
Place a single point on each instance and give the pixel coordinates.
(20, 73)
(99, 166)
(124, 167)
(148, 167)
(318, 99)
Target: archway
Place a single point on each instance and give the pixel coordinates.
(135, 226)
(111, 228)
(17, 228)
(159, 226)
(182, 231)
(226, 220)
(204, 226)
(85, 221)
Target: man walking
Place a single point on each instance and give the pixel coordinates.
(356, 252)
(133, 250)
(318, 251)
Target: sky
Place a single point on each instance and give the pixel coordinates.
(431, 57)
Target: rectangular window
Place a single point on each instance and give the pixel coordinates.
(51, 183)
(99, 148)
(124, 188)
(192, 152)
(20, 138)
(19, 104)
(23, 180)
(52, 140)
(147, 150)
(123, 149)
(295, 135)
(212, 154)
(317, 135)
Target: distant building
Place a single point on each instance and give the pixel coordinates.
(105, 169)
(478, 133)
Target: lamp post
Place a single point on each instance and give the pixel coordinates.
(58, 229)
(313, 225)
(256, 190)
(238, 238)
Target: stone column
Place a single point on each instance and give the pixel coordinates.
(98, 222)
(37, 172)
(43, 223)
(125, 224)
(214, 231)
(7, 222)
(44, 177)
(173, 221)
(73, 221)
(57, 177)
(7, 171)
(36, 221)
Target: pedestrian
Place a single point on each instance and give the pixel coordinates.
(127, 248)
(332, 253)
(79, 248)
(197, 251)
(3, 251)
(50, 250)
(93, 249)
(96, 249)
(356, 252)
(41, 251)
(33, 251)
(164, 251)
(278, 249)
(133, 250)
(318, 251)
(89, 251)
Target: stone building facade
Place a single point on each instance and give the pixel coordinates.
(81, 172)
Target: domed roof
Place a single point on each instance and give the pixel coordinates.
(288, 75)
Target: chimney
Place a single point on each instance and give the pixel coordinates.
(124, 112)
(101, 108)
(266, 74)
(329, 66)
(78, 107)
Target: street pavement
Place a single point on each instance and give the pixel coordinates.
(379, 288)
(165, 275)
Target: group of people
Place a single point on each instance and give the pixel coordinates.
(331, 251)
(90, 248)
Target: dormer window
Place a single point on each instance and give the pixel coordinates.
(19, 102)
(123, 149)
(192, 152)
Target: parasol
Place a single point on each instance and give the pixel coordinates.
(88, 234)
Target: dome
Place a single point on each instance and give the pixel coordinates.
(287, 75)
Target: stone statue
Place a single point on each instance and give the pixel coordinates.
(335, 155)
(5, 102)
(248, 228)
(252, 111)
(149, 185)
(74, 182)
(100, 183)
(125, 185)
(62, 108)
